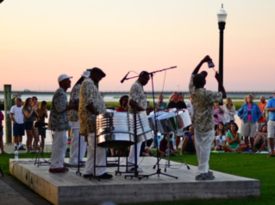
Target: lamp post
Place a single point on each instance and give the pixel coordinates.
(221, 22)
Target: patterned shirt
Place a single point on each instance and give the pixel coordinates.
(59, 120)
(203, 104)
(137, 94)
(73, 114)
(89, 94)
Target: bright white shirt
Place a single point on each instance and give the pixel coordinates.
(17, 114)
(220, 139)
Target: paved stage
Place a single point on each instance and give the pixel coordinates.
(69, 188)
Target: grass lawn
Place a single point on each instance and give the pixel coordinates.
(255, 166)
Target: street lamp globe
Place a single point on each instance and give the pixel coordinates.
(222, 15)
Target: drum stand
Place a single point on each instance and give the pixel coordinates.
(167, 151)
(39, 155)
(155, 133)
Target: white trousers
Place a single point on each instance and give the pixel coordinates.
(75, 145)
(59, 149)
(100, 157)
(203, 141)
(131, 158)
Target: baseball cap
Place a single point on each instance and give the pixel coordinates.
(63, 77)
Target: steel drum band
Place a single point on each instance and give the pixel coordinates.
(116, 129)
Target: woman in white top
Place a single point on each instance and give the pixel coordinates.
(229, 112)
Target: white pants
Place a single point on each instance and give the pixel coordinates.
(75, 145)
(100, 157)
(59, 149)
(203, 141)
(131, 158)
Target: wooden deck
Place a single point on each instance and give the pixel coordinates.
(69, 188)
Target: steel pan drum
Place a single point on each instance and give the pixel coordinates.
(167, 122)
(151, 118)
(183, 119)
(115, 129)
(144, 131)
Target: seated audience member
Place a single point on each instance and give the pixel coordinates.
(160, 105)
(145, 150)
(163, 148)
(233, 140)
(188, 143)
(220, 140)
(123, 101)
(260, 136)
(220, 127)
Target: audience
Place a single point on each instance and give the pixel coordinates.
(42, 114)
(261, 121)
(29, 117)
(233, 140)
(17, 117)
(1, 132)
(123, 101)
(163, 148)
(188, 143)
(218, 114)
(260, 136)
(249, 113)
(160, 105)
(220, 140)
(229, 112)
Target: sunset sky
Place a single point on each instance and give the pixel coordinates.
(42, 39)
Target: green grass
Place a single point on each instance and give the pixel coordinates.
(254, 166)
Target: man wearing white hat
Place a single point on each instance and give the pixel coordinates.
(59, 123)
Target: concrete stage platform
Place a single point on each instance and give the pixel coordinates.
(69, 188)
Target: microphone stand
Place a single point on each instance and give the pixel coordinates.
(155, 130)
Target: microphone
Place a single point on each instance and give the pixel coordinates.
(125, 77)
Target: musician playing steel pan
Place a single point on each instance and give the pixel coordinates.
(91, 104)
(137, 100)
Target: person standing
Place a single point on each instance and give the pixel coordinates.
(1, 132)
(91, 104)
(179, 105)
(261, 105)
(59, 124)
(202, 119)
(17, 118)
(35, 130)
(138, 103)
(42, 114)
(229, 112)
(218, 114)
(78, 145)
(249, 113)
(29, 117)
(160, 105)
(270, 107)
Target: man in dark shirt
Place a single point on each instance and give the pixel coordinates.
(176, 103)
